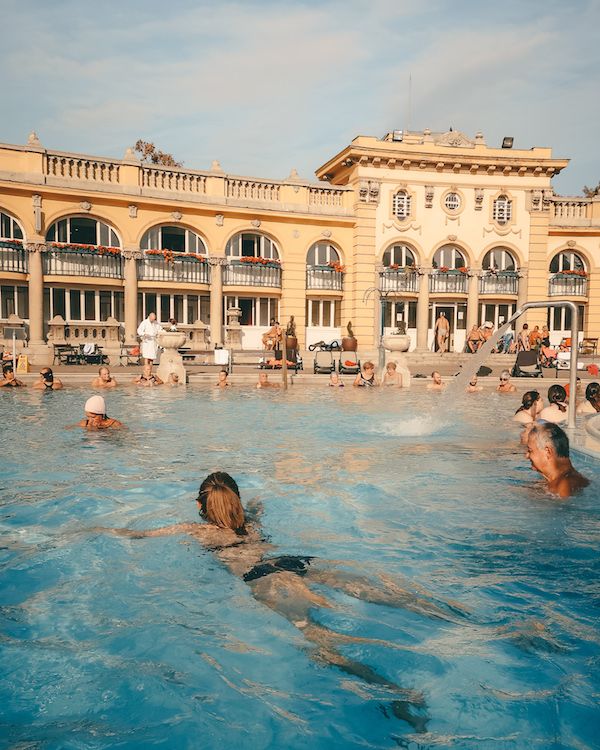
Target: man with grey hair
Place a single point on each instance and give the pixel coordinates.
(505, 386)
(548, 451)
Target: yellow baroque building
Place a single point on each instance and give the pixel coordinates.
(398, 228)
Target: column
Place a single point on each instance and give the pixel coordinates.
(36, 294)
(131, 256)
(423, 312)
(522, 290)
(472, 300)
(216, 300)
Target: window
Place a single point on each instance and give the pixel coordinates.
(322, 253)
(559, 319)
(452, 201)
(502, 212)
(105, 305)
(82, 230)
(185, 308)
(499, 259)
(89, 298)
(449, 256)
(9, 229)
(400, 255)
(323, 313)
(252, 246)
(177, 239)
(256, 311)
(567, 260)
(401, 205)
(396, 311)
(7, 301)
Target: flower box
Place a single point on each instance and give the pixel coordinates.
(11, 244)
(70, 247)
(170, 256)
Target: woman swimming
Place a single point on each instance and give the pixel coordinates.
(283, 583)
(591, 405)
(530, 408)
(556, 411)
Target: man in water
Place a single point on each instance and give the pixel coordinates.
(9, 380)
(104, 379)
(442, 330)
(436, 382)
(222, 381)
(473, 387)
(548, 451)
(505, 386)
(47, 381)
(263, 381)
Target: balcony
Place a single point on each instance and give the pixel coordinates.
(571, 212)
(178, 268)
(567, 285)
(67, 261)
(239, 273)
(448, 282)
(398, 280)
(13, 257)
(499, 283)
(324, 278)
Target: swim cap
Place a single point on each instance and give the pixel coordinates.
(95, 404)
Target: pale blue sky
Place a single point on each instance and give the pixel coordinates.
(268, 85)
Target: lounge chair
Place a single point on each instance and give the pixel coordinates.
(324, 363)
(527, 365)
(349, 363)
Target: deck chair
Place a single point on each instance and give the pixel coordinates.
(324, 363)
(527, 365)
(91, 354)
(349, 363)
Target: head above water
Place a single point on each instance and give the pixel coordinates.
(505, 376)
(592, 394)
(473, 380)
(529, 399)
(368, 366)
(47, 374)
(95, 405)
(104, 373)
(222, 376)
(557, 395)
(546, 443)
(391, 366)
(219, 502)
(436, 377)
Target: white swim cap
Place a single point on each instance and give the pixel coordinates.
(95, 404)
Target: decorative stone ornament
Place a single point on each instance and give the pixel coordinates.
(133, 211)
(571, 243)
(177, 215)
(536, 200)
(429, 193)
(37, 211)
(326, 233)
(85, 206)
(33, 139)
(368, 191)
(219, 220)
(255, 223)
(215, 166)
(478, 199)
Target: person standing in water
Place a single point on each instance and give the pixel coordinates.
(95, 416)
(548, 452)
(47, 381)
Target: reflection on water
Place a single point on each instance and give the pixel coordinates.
(489, 627)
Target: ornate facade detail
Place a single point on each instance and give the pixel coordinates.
(255, 223)
(37, 211)
(132, 253)
(363, 191)
(326, 233)
(133, 209)
(502, 232)
(177, 216)
(374, 188)
(217, 260)
(571, 243)
(547, 199)
(405, 227)
(429, 193)
(85, 206)
(454, 138)
(452, 238)
(36, 247)
(219, 220)
(536, 200)
(296, 234)
(33, 140)
(478, 199)
(368, 191)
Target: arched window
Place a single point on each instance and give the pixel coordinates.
(83, 230)
(502, 212)
(245, 245)
(449, 256)
(322, 253)
(399, 255)
(9, 228)
(452, 201)
(177, 239)
(402, 205)
(567, 260)
(499, 259)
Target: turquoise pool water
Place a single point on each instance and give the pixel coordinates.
(121, 643)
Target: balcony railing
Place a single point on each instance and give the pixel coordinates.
(392, 280)
(499, 283)
(187, 270)
(452, 282)
(73, 263)
(561, 285)
(321, 277)
(238, 273)
(13, 259)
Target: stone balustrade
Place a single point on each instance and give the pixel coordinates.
(106, 333)
(72, 167)
(571, 212)
(254, 190)
(173, 180)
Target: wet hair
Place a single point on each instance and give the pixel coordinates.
(435, 372)
(557, 395)
(592, 394)
(529, 399)
(368, 365)
(392, 364)
(505, 374)
(550, 434)
(220, 504)
(103, 367)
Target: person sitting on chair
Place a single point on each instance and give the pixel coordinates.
(272, 337)
(474, 339)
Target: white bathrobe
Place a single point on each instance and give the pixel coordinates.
(148, 332)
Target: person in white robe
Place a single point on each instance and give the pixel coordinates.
(148, 331)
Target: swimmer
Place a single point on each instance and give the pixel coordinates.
(473, 387)
(436, 382)
(335, 381)
(391, 375)
(530, 409)
(548, 451)
(95, 416)
(285, 585)
(147, 379)
(366, 377)
(104, 379)
(222, 382)
(263, 381)
(505, 386)
(591, 405)
(173, 380)
(9, 380)
(556, 411)
(47, 381)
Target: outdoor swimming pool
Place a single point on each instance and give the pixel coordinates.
(121, 643)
